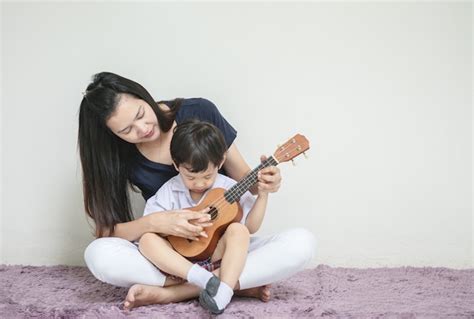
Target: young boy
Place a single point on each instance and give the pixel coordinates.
(198, 151)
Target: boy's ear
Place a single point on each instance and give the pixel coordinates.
(223, 160)
(175, 166)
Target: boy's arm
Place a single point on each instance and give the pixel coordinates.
(255, 216)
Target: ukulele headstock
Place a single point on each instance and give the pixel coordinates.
(292, 148)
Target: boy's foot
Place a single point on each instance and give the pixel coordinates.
(207, 302)
(213, 285)
(142, 295)
(263, 293)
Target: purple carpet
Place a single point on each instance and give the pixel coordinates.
(323, 292)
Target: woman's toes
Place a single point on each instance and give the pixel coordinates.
(131, 297)
(266, 293)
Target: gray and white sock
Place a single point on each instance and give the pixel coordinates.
(223, 296)
(198, 276)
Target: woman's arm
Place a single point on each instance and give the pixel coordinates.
(269, 178)
(183, 223)
(130, 231)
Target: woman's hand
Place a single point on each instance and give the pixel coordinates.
(181, 222)
(269, 178)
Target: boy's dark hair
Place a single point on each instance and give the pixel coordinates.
(197, 143)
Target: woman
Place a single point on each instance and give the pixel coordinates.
(124, 140)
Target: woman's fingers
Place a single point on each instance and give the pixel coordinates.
(269, 174)
(269, 178)
(196, 235)
(195, 216)
(192, 223)
(191, 235)
(201, 218)
(206, 224)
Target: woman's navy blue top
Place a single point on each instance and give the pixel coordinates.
(149, 176)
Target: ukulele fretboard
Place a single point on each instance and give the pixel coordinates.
(236, 191)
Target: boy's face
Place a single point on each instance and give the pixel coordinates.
(198, 182)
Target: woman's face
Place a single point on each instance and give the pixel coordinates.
(134, 120)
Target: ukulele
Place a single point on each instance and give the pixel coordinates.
(224, 206)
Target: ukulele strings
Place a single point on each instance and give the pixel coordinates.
(221, 202)
(247, 181)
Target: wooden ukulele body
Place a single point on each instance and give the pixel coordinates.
(222, 214)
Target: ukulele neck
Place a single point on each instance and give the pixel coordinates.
(236, 191)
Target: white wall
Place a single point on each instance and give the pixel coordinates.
(472, 143)
(1, 140)
(383, 92)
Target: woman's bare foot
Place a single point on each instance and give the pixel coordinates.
(263, 293)
(141, 295)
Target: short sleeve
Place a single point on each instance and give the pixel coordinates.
(206, 110)
(211, 111)
(161, 201)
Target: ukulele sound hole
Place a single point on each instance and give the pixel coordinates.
(213, 212)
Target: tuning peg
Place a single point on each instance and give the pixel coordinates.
(305, 156)
(292, 161)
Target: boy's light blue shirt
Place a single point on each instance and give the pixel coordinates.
(174, 195)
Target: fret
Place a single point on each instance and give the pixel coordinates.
(236, 191)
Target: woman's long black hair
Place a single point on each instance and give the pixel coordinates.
(105, 158)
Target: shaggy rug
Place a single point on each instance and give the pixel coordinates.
(323, 292)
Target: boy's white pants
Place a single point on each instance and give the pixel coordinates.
(271, 258)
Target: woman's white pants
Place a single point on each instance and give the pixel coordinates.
(271, 258)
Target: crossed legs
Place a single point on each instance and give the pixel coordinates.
(271, 258)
